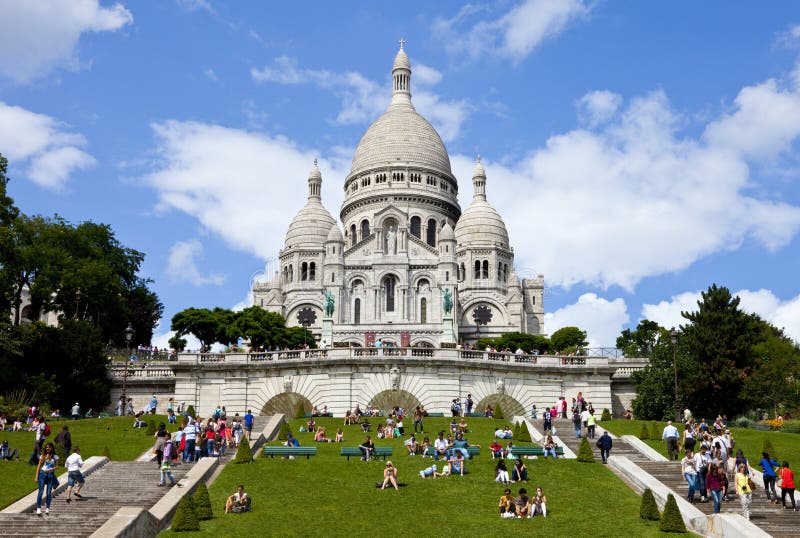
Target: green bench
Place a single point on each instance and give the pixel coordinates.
(435, 414)
(533, 451)
(380, 452)
(471, 450)
(306, 451)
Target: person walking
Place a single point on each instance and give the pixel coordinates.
(715, 485)
(74, 475)
(248, 423)
(744, 491)
(768, 466)
(670, 435)
(161, 437)
(45, 474)
(64, 438)
(689, 473)
(604, 443)
(576, 423)
(787, 485)
(591, 424)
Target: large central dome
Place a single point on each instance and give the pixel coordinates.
(400, 135)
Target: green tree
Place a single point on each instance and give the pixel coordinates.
(202, 503)
(8, 213)
(263, 329)
(517, 340)
(177, 343)
(568, 338)
(243, 452)
(200, 322)
(297, 337)
(775, 379)
(649, 509)
(185, 518)
(671, 520)
(585, 454)
(641, 341)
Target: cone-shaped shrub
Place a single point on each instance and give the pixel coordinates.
(644, 434)
(649, 508)
(106, 452)
(202, 503)
(243, 453)
(498, 412)
(185, 517)
(767, 447)
(516, 430)
(585, 454)
(671, 520)
(151, 428)
(190, 411)
(655, 431)
(301, 411)
(606, 415)
(524, 433)
(284, 431)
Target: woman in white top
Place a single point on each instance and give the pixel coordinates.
(45, 474)
(689, 470)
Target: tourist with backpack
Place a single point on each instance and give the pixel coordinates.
(576, 423)
(42, 432)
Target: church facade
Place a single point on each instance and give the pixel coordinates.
(405, 250)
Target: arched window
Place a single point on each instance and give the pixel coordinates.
(477, 269)
(304, 271)
(291, 273)
(463, 272)
(312, 271)
(388, 290)
(333, 277)
(356, 311)
(505, 272)
(416, 227)
(285, 273)
(431, 238)
(364, 229)
(353, 235)
(423, 310)
(485, 272)
(500, 271)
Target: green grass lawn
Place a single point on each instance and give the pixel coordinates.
(92, 435)
(328, 495)
(787, 445)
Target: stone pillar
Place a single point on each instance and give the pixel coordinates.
(402, 241)
(447, 329)
(327, 332)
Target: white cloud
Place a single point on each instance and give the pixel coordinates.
(161, 341)
(598, 107)
(363, 100)
(514, 35)
(182, 265)
(636, 198)
(601, 319)
(782, 314)
(244, 186)
(37, 36)
(194, 5)
(41, 144)
(210, 74)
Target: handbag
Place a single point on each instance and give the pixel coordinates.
(751, 484)
(780, 483)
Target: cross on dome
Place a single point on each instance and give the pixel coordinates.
(402, 42)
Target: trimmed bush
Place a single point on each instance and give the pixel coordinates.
(202, 503)
(644, 434)
(655, 431)
(284, 431)
(516, 430)
(524, 433)
(106, 452)
(649, 508)
(606, 415)
(498, 412)
(585, 454)
(151, 428)
(185, 517)
(671, 520)
(243, 453)
(190, 411)
(767, 447)
(301, 411)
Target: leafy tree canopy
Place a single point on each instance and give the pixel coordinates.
(568, 338)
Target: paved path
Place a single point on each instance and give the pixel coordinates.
(620, 447)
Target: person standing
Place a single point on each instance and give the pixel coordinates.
(787, 485)
(591, 424)
(64, 438)
(689, 473)
(576, 423)
(190, 438)
(74, 475)
(161, 437)
(604, 443)
(670, 434)
(45, 473)
(76, 411)
(248, 423)
(418, 420)
(768, 467)
(153, 404)
(547, 422)
(744, 491)
(42, 430)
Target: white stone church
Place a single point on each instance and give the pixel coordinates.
(405, 241)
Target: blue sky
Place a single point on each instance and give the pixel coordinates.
(638, 151)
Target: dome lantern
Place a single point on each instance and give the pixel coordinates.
(479, 180)
(401, 78)
(315, 183)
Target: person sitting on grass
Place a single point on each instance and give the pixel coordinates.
(367, 449)
(538, 504)
(8, 453)
(456, 463)
(501, 472)
(497, 449)
(426, 444)
(440, 447)
(519, 473)
(311, 425)
(349, 418)
(339, 436)
(365, 425)
(389, 475)
(522, 503)
(412, 446)
(319, 437)
(238, 502)
(506, 504)
(462, 426)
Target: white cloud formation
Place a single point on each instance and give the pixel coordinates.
(782, 314)
(598, 107)
(636, 198)
(244, 186)
(182, 265)
(514, 35)
(600, 318)
(36, 36)
(363, 100)
(211, 74)
(42, 145)
(194, 5)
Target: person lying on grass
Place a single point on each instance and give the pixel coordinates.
(389, 475)
(238, 502)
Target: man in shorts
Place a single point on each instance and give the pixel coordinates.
(75, 476)
(248, 423)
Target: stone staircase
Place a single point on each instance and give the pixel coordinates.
(771, 518)
(619, 448)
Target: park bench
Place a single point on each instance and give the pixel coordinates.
(471, 450)
(435, 414)
(380, 452)
(306, 451)
(533, 451)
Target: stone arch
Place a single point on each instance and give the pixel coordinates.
(292, 310)
(423, 342)
(499, 312)
(509, 405)
(286, 403)
(387, 399)
(358, 275)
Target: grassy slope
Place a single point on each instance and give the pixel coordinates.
(327, 495)
(125, 443)
(787, 445)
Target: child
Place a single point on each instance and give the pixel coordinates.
(166, 472)
(428, 471)
(506, 504)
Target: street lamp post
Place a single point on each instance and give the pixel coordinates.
(78, 295)
(129, 332)
(673, 338)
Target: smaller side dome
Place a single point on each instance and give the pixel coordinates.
(335, 235)
(447, 233)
